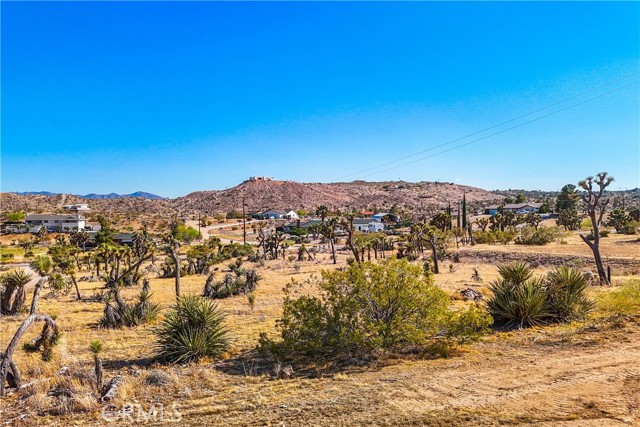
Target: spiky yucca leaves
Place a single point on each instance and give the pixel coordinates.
(521, 300)
(143, 311)
(567, 294)
(519, 304)
(129, 314)
(194, 329)
(12, 292)
(516, 272)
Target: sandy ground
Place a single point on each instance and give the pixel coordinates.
(570, 375)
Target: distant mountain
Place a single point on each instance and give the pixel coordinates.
(94, 196)
(36, 193)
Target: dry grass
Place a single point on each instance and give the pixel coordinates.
(577, 373)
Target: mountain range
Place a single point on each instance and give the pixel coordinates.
(139, 194)
(259, 196)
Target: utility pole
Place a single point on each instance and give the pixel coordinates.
(244, 224)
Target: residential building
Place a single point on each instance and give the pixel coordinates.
(56, 222)
(78, 207)
(513, 207)
(279, 214)
(386, 217)
(367, 225)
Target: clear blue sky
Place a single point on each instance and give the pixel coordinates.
(176, 97)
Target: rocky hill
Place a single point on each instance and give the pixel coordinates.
(262, 195)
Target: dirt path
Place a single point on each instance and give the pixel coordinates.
(570, 380)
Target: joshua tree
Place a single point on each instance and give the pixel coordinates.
(96, 348)
(12, 297)
(80, 239)
(328, 230)
(464, 210)
(482, 223)
(322, 212)
(9, 372)
(172, 244)
(64, 259)
(596, 202)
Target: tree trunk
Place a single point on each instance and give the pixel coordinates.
(111, 389)
(434, 253)
(176, 261)
(75, 283)
(7, 363)
(98, 369)
(595, 248)
(333, 250)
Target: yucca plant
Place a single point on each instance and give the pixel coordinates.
(516, 272)
(194, 329)
(567, 297)
(143, 311)
(12, 294)
(519, 304)
(96, 349)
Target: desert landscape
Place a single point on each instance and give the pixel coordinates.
(582, 372)
(283, 214)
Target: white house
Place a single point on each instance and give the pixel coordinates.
(56, 222)
(279, 214)
(78, 207)
(367, 225)
(386, 217)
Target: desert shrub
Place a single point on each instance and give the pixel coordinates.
(243, 282)
(142, 311)
(194, 329)
(604, 233)
(158, 378)
(586, 224)
(629, 228)
(520, 300)
(370, 308)
(624, 300)
(567, 297)
(234, 250)
(494, 236)
(542, 236)
(131, 314)
(59, 284)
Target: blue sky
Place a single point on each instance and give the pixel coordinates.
(176, 97)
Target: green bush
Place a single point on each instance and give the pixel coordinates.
(542, 236)
(494, 236)
(194, 329)
(624, 300)
(374, 307)
(629, 228)
(521, 300)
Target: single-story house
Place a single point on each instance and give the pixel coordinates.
(367, 225)
(513, 207)
(286, 228)
(56, 222)
(386, 217)
(279, 214)
(78, 207)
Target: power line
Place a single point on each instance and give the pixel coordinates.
(491, 127)
(499, 132)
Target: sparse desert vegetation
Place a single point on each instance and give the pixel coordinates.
(428, 323)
